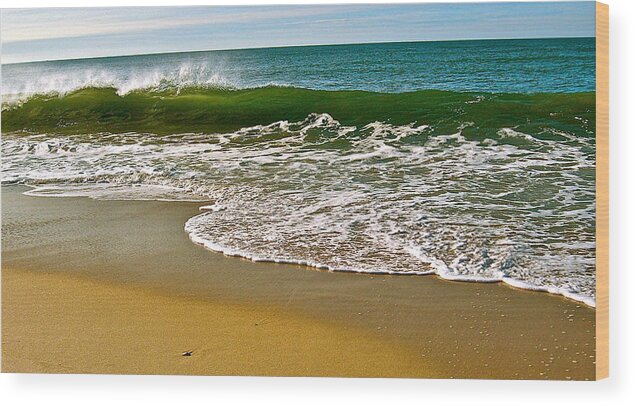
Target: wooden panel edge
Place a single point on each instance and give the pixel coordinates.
(602, 191)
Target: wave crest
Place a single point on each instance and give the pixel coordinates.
(63, 82)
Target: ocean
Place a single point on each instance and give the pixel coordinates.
(470, 160)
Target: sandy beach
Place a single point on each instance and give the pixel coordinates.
(117, 287)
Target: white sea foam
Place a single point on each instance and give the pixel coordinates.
(109, 191)
(376, 199)
(17, 88)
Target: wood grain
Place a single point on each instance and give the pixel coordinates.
(603, 191)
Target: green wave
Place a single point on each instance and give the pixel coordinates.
(95, 110)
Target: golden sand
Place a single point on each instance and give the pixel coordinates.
(69, 324)
(117, 287)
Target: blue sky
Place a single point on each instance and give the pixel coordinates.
(66, 33)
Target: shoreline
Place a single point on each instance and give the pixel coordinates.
(229, 252)
(453, 329)
(509, 282)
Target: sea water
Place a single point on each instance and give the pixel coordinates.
(471, 160)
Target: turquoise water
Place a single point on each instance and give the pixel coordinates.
(471, 160)
(507, 66)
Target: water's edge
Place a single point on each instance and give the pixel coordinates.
(447, 276)
(229, 252)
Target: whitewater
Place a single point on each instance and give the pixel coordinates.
(391, 180)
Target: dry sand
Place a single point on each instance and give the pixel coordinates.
(70, 324)
(117, 287)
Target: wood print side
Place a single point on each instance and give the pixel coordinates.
(602, 191)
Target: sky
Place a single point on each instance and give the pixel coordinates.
(69, 33)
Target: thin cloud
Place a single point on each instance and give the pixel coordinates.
(67, 33)
(27, 25)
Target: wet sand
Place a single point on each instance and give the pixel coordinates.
(117, 287)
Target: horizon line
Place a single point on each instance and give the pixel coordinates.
(286, 46)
